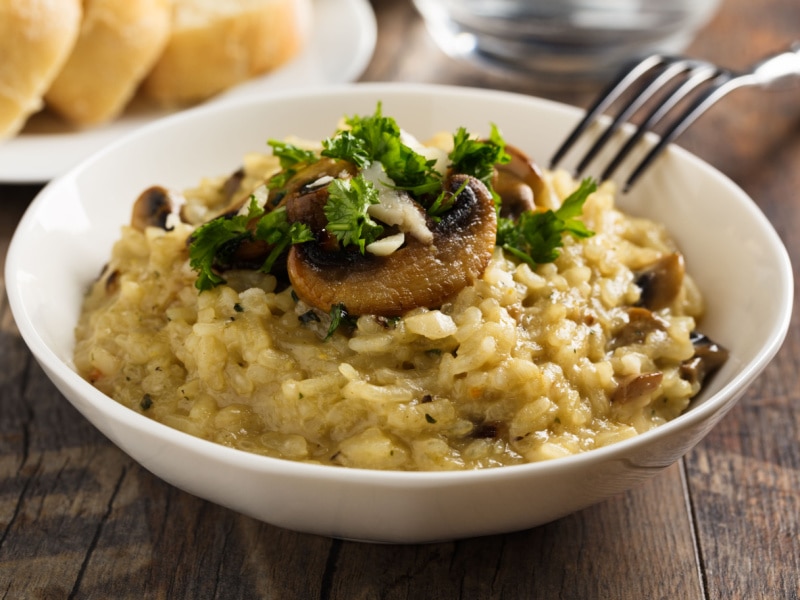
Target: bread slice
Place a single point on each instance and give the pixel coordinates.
(216, 44)
(119, 42)
(36, 37)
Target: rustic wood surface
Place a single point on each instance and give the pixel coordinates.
(79, 519)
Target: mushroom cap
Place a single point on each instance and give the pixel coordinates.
(413, 276)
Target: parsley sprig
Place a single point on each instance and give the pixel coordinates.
(535, 237)
(217, 241)
(346, 211)
(292, 158)
(476, 157)
(378, 138)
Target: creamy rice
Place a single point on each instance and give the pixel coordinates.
(525, 365)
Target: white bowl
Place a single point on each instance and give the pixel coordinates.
(66, 235)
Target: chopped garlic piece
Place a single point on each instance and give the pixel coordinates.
(324, 180)
(386, 245)
(395, 207)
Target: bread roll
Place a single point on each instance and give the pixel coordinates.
(119, 42)
(215, 45)
(36, 37)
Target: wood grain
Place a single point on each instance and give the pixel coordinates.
(79, 519)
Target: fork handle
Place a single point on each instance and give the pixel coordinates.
(780, 70)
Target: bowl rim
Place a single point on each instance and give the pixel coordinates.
(68, 376)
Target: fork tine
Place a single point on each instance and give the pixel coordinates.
(668, 73)
(605, 99)
(700, 73)
(719, 88)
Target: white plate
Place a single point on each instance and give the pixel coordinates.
(341, 44)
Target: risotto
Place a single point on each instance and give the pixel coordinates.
(417, 332)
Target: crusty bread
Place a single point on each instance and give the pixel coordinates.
(216, 44)
(36, 37)
(119, 42)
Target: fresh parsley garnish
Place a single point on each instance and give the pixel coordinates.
(378, 138)
(292, 158)
(218, 240)
(444, 201)
(346, 211)
(275, 229)
(476, 157)
(535, 237)
(349, 147)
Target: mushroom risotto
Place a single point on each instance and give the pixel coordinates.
(372, 301)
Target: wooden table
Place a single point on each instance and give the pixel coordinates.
(79, 519)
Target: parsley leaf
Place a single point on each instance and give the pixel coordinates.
(410, 171)
(444, 201)
(217, 239)
(292, 159)
(478, 158)
(378, 138)
(349, 147)
(536, 236)
(275, 229)
(346, 211)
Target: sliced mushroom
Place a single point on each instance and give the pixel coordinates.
(153, 208)
(641, 322)
(230, 188)
(708, 357)
(520, 184)
(314, 177)
(111, 278)
(415, 275)
(301, 183)
(661, 282)
(635, 387)
(309, 208)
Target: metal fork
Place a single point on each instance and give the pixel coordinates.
(675, 79)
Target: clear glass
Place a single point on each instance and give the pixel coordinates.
(562, 41)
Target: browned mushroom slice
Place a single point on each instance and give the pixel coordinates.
(635, 387)
(641, 322)
(415, 275)
(230, 189)
(112, 282)
(661, 282)
(309, 208)
(708, 357)
(519, 183)
(314, 177)
(152, 208)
